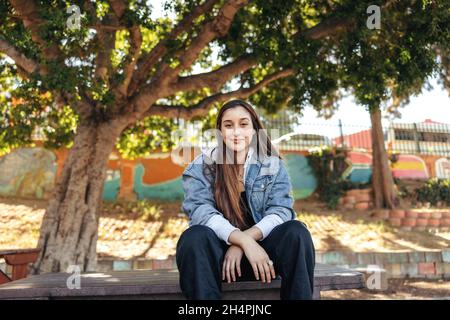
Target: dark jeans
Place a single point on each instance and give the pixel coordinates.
(200, 255)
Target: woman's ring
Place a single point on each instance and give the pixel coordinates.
(270, 262)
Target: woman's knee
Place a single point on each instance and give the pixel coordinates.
(295, 229)
(195, 236)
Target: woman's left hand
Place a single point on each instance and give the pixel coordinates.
(232, 262)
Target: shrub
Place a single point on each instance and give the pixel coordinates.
(329, 166)
(433, 191)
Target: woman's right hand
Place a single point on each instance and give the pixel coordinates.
(259, 259)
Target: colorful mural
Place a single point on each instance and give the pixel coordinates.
(301, 175)
(409, 166)
(111, 187)
(31, 172)
(167, 190)
(359, 168)
(27, 172)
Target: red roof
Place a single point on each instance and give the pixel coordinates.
(431, 121)
(362, 139)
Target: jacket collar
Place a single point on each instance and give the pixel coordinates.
(252, 164)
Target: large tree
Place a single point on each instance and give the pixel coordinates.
(390, 65)
(121, 77)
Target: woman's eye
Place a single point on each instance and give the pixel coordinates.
(244, 124)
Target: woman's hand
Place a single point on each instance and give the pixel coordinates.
(259, 260)
(232, 262)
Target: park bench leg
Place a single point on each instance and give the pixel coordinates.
(19, 263)
(4, 278)
(19, 271)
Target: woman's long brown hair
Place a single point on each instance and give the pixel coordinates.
(225, 173)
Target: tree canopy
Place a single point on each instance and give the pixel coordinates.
(280, 53)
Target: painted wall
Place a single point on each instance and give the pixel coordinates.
(27, 172)
(301, 175)
(31, 172)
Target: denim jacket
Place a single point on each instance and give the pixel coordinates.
(268, 189)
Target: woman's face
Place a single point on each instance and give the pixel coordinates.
(237, 128)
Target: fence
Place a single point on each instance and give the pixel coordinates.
(426, 138)
(290, 134)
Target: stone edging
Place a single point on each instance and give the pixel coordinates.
(412, 264)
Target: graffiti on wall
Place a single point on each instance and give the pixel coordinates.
(406, 167)
(359, 168)
(167, 190)
(111, 187)
(27, 172)
(31, 172)
(409, 166)
(301, 175)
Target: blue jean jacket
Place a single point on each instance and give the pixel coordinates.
(267, 184)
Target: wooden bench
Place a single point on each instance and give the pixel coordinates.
(162, 284)
(19, 260)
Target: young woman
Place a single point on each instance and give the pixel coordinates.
(242, 223)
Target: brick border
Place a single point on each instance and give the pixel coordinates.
(412, 264)
(416, 219)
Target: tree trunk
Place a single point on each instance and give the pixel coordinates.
(69, 229)
(382, 181)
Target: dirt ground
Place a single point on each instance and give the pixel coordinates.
(399, 289)
(151, 230)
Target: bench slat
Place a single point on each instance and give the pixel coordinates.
(161, 284)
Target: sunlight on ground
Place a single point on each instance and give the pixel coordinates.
(398, 289)
(125, 238)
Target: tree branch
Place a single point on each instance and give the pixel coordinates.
(118, 7)
(165, 75)
(147, 61)
(203, 106)
(27, 65)
(135, 40)
(133, 55)
(214, 79)
(333, 25)
(28, 12)
(327, 28)
(107, 41)
(218, 27)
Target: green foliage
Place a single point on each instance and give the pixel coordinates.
(329, 165)
(147, 211)
(403, 191)
(433, 191)
(144, 210)
(59, 127)
(146, 136)
(396, 59)
(20, 114)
